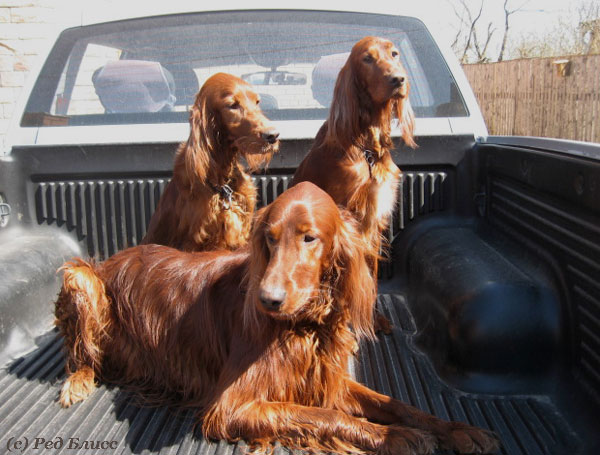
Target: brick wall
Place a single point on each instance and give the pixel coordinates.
(25, 30)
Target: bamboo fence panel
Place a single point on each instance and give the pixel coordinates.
(530, 98)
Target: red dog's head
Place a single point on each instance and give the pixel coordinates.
(226, 118)
(372, 82)
(308, 261)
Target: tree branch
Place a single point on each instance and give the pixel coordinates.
(507, 14)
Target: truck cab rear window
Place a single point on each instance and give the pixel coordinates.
(149, 70)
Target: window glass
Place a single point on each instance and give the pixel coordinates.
(149, 70)
(84, 99)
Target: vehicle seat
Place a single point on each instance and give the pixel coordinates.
(134, 86)
(268, 102)
(186, 84)
(324, 76)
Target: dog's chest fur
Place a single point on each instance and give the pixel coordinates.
(385, 185)
(385, 177)
(376, 197)
(308, 366)
(225, 223)
(227, 228)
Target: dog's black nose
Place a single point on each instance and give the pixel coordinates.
(271, 135)
(272, 299)
(396, 80)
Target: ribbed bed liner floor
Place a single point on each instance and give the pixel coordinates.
(393, 365)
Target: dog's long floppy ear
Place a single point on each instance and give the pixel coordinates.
(259, 258)
(354, 286)
(344, 116)
(196, 155)
(406, 119)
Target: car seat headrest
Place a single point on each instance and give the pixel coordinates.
(324, 76)
(134, 86)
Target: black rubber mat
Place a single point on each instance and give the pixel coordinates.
(110, 422)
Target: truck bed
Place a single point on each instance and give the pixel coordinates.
(492, 288)
(393, 364)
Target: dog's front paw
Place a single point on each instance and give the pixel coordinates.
(77, 387)
(467, 439)
(407, 441)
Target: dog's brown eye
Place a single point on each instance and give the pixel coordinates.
(368, 59)
(234, 106)
(308, 238)
(270, 239)
(257, 101)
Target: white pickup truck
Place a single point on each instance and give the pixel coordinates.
(493, 282)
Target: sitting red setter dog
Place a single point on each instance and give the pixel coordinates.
(258, 338)
(350, 158)
(210, 201)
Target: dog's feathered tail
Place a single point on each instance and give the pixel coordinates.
(82, 313)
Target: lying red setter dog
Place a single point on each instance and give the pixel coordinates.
(258, 338)
(350, 158)
(210, 200)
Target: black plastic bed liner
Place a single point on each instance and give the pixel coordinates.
(110, 421)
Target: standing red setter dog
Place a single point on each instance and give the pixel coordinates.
(210, 201)
(258, 338)
(350, 158)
